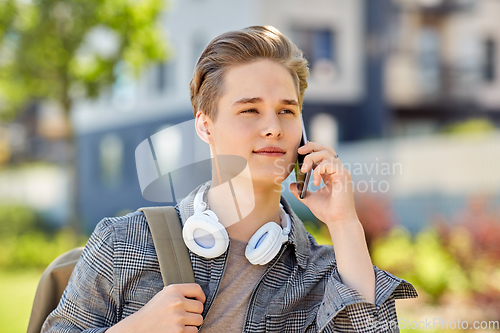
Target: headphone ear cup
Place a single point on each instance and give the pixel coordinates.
(204, 235)
(264, 244)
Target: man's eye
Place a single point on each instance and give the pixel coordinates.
(251, 110)
(288, 111)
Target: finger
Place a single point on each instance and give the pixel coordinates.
(294, 190)
(193, 306)
(325, 168)
(309, 161)
(296, 193)
(315, 147)
(190, 329)
(317, 174)
(192, 319)
(316, 158)
(191, 290)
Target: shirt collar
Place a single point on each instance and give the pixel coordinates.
(298, 234)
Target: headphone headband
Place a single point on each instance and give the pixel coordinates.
(261, 248)
(286, 224)
(198, 203)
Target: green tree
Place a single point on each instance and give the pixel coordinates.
(62, 50)
(65, 49)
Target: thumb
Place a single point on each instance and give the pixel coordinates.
(295, 191)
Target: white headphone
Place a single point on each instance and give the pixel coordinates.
(207, 237)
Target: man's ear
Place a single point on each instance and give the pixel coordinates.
(203, 127)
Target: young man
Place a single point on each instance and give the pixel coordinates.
(247, 93)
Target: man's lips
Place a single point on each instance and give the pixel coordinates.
(270, 151)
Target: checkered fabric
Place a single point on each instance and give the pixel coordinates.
(301, 291)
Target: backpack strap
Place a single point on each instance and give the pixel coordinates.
(173, 255)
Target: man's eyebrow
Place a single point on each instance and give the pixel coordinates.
(290, 102)
(254, 100)
(251, 100)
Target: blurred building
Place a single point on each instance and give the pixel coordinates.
(443, 64)
(379, 68)
(34, 149)
(38, 133)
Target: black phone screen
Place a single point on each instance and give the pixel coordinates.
(302, 178)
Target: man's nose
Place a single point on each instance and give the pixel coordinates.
(272, 126)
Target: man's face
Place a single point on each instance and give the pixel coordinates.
(259, 109)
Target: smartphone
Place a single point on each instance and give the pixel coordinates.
(302, 178)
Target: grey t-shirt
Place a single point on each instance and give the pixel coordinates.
(228, 311)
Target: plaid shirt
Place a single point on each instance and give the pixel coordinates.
(301, 291)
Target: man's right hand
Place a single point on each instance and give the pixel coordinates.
(177, 308)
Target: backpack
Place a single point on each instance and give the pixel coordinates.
(172, 253)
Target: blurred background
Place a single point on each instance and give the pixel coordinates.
(406, 91)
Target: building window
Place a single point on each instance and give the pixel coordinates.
(324, 129)
(429, 61)
(111, 150)
(490, 55)
(319, 47)
(168, 148)
(124, 89)
(162, 80)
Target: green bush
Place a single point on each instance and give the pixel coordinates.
(25, 242)
(36, 249)
(424, 261)
(319, 232)
(470, 126)
(17, 219)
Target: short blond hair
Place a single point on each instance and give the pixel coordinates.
(241, 47)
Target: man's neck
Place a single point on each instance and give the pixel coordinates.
(257, 205)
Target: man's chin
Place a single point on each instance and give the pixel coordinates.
(268, 179)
